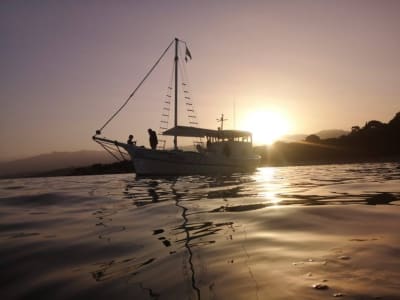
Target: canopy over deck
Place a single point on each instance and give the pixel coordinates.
(188, 131)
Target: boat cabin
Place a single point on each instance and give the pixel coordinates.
(225, 142)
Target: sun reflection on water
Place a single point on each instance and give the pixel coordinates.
(267, 185)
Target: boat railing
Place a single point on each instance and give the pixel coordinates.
(161, 144)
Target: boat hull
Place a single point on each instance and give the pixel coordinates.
(172, 163)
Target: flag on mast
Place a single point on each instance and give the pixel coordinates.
(187, 54)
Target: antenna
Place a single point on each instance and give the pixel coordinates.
(221, 120)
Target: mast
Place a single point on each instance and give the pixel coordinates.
(176, 92)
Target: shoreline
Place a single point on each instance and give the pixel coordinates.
(127, 167)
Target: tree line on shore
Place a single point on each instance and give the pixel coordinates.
(372, 142)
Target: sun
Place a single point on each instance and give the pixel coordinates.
(267, 126)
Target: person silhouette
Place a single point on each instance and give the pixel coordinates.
(152, 138)
(130, 140)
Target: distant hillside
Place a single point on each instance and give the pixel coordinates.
(53, 161)
(331, 133)
(323, 134)
(293, 138)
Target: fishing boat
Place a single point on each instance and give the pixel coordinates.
(225, 151)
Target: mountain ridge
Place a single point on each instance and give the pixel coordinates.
(323, 134)
(52, 161)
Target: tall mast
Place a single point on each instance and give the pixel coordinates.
(176, 92)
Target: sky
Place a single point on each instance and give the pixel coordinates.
(66, 66)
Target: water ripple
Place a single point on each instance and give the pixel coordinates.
(193, 237)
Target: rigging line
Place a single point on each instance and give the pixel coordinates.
(185, 76)
(183, 70)
(182, 67)
(165, 113)
(131, 95)
(108, 150)
(122, 155)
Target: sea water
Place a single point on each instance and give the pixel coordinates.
(305, 232)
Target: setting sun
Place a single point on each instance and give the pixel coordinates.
(266, 126)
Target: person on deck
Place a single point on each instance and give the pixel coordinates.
(152, 138)
(130, 140)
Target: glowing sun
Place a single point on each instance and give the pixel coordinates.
(267, 126)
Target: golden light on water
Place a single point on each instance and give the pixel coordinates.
(267, 126)
(265, 177)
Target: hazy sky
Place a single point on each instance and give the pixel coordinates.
(66, 66)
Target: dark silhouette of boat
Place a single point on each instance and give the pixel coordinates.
(225, 151)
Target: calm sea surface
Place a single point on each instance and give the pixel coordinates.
(308, 232)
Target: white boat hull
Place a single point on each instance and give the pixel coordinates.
(162, 162)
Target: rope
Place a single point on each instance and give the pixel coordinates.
(185, 79)
(108, 150)
(167, 104)
(131, 95)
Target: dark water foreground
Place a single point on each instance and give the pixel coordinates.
(279, 233)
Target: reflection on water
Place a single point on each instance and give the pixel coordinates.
(200, 230)
(272, 234)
